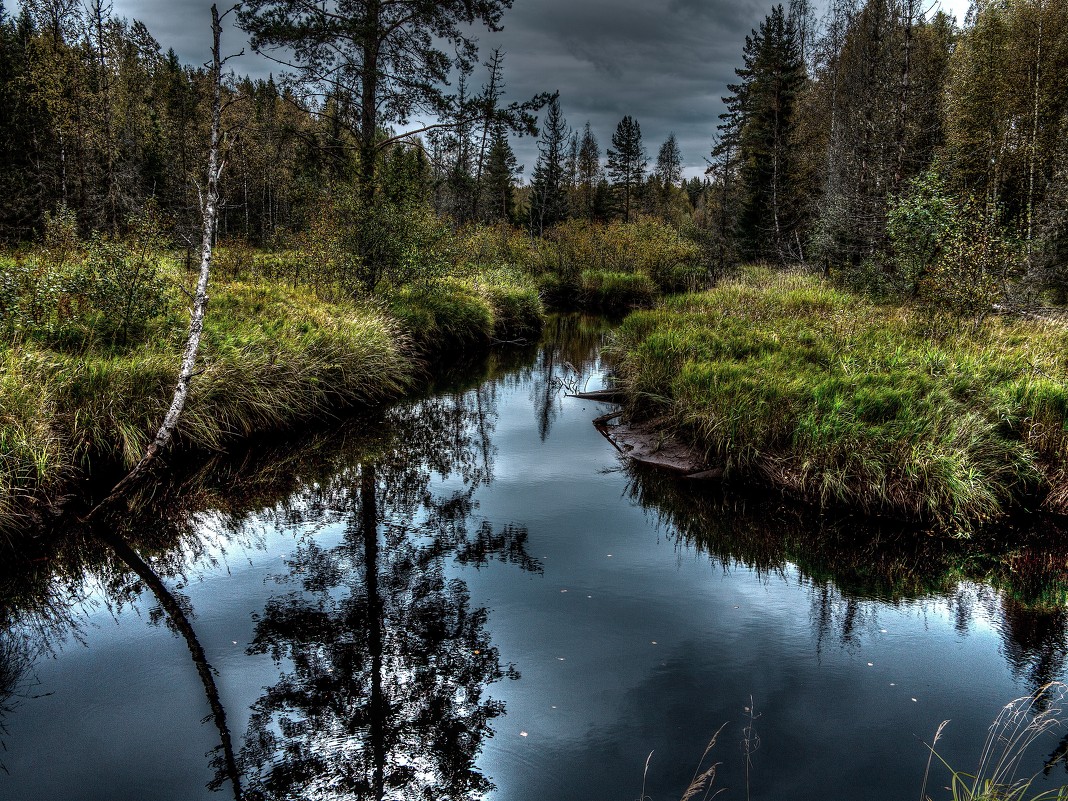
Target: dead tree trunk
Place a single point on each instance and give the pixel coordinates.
(210, 212)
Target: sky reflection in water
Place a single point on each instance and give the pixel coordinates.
(469, 590)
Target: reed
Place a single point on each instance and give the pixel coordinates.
(1019, 725)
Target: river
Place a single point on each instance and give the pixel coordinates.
(472, 595)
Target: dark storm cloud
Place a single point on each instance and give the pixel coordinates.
(664, 62)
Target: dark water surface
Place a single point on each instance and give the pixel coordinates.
(470, 591)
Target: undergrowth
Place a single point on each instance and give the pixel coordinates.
(784, 378)
(273, 353)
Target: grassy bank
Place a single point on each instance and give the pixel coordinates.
(583, 265)
(783, 378)
(272, 355)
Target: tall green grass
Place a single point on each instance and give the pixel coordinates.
(610, 267)
(999, 774)
(454, 313)
(31, 452)
(786, 379)
(271, 356)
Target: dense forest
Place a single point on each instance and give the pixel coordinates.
(902, 151)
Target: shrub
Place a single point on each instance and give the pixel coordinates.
(106, 291)
(949, 252)
(357, 248)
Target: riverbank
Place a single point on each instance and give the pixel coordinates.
(831, 397)
(273, 356)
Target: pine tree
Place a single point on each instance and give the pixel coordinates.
(548, 190)
(589, 172)
(765, 102)
(498, 203)
(627, 160)
(390, 60)
(669, 162)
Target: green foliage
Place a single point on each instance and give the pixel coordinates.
(616, 292)
(948, 252)
(126, 286)
(654, 256)
(765, 100)
(627, 160)
(30, 451)
(975, 268)
(515, 301)
(70, 294)
(452, 313)
(919, 225)
(818, 391)
(548, 196)
(357, 247)
(443, 315)
(270, 356)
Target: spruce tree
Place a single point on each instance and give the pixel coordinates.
(627, 160)
(498, 202)
(589, 172)
(764, 104)
(669, 162)
(548, 191)
(390, 60)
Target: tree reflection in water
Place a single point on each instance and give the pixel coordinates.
(385, 663)
(854, 566)
(570, 344)
(15, 661)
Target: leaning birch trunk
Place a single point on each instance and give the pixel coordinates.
(210, 210)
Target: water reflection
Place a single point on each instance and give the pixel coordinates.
(389, 665)
(564, 357)
(15, 662)
(383, 662)
(379, 668)
(853, 567)
(385, 665)
(177, 611)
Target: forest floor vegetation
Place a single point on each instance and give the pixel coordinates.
(92, 346)
(891, 409)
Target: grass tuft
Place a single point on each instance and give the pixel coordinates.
(1020, 724)
(784, 378)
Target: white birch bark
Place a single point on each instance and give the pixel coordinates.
(210, 211)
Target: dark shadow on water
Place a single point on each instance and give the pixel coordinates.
(383, 663)
(852, 565)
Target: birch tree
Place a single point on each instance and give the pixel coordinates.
(210, 214)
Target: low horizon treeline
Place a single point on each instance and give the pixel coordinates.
(96, 119)
(883, 144)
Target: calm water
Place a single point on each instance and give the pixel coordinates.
(469, 596)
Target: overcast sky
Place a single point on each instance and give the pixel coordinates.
(667, 63)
